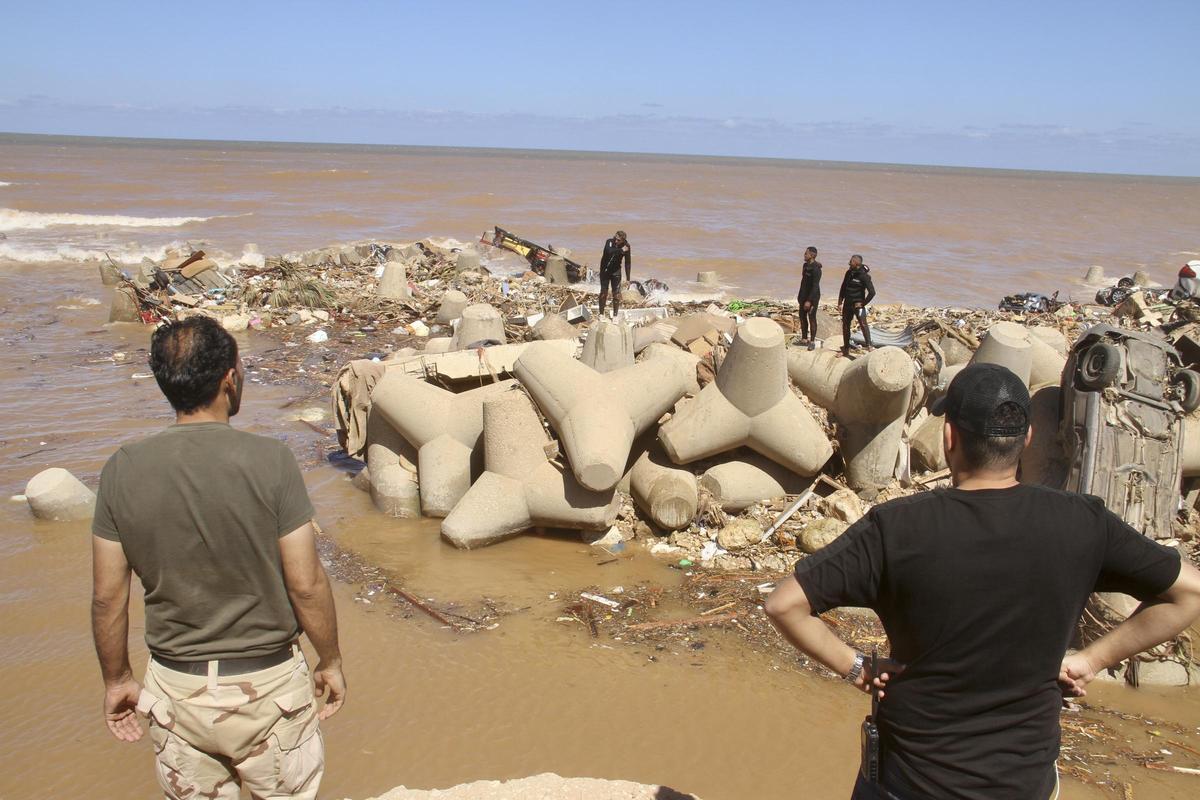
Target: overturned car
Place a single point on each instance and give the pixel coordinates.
(1123, 400)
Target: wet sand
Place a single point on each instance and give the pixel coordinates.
(428, 707)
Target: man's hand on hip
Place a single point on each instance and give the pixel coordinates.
(331, 678)
(120, 709)
(1076, 673)
(868, 682)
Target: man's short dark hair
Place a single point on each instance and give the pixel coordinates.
(189, 359)
(995, 452)
(811, 249)
(856, 255)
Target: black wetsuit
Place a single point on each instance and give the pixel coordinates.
(610, 265)
(810, 292)
(856, 292)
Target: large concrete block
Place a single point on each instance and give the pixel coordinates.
(479, 323)
(869, 397)
(55, 494)
(598, 415)
(749, 404)
(608, 346)
(553, 326)
(556, 271)
(664, 492)
(443, 426)
(687, 362)
(1007, 344)
(452, 306)
(110, 274)
(1044, 460)
(124, 306)
(466, 261)
(871, 407)
(928, 444)
(394, 283)
(1051, 336)
(391, 469)
(1045, 362)
(817, 373)
(521, 488)
(741, 482)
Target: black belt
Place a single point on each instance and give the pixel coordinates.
(227, 666)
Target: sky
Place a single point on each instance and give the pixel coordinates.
(1093, 86)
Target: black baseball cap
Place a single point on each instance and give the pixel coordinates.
(976, 394)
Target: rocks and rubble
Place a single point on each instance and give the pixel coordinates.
(724, 420)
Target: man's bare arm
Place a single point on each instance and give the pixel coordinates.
(1153, 623)
(312, 599)
(110, 631)
(790, 612)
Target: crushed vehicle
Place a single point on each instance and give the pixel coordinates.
(535, 254)
(1123, 398)
(1030, 303)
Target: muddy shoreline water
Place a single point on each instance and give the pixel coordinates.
(429, 706)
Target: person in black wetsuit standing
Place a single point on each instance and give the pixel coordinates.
(857, 291)
(809, 296)
(616, 250)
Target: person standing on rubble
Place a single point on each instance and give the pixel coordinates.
(979, 587)
(809, 297)
(857, 291)
(218, 526)
(616, 250)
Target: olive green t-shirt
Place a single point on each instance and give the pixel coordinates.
(199, 509)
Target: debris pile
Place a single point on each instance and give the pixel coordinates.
(493, 398)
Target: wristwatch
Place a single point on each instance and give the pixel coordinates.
(856, 668)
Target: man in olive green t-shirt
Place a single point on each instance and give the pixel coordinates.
(217, 524)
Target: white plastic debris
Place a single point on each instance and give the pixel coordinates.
(318, 336)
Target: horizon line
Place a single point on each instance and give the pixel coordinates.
(556, 151)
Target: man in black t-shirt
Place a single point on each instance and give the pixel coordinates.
(616, 251)
(979, 588)
(809, 296)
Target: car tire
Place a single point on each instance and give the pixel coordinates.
(1099, 366)
(1189, 385)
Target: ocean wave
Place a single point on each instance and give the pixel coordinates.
(13, 220)
(5, 183)
(124, 254)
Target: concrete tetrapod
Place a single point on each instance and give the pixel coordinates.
(739, 483)
(452, 306)
(608, 346)
(394, 282)
(480, 323)
(392, 469)
(56, 494)
(443, 426)
(869, 397)
(749, 404)
(1007, 344)
(598, 415)
(664, 492)
(521, 488)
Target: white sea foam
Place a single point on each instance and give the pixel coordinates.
(13, 220)
(5, 183)
(126, 254)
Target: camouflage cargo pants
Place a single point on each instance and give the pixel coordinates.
(213, 734)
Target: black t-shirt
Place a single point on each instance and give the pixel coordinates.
(979, 592)
(810, 282)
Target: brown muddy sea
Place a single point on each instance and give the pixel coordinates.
(429, 707)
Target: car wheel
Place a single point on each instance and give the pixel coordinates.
(1188, 381)
(1099, 366)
